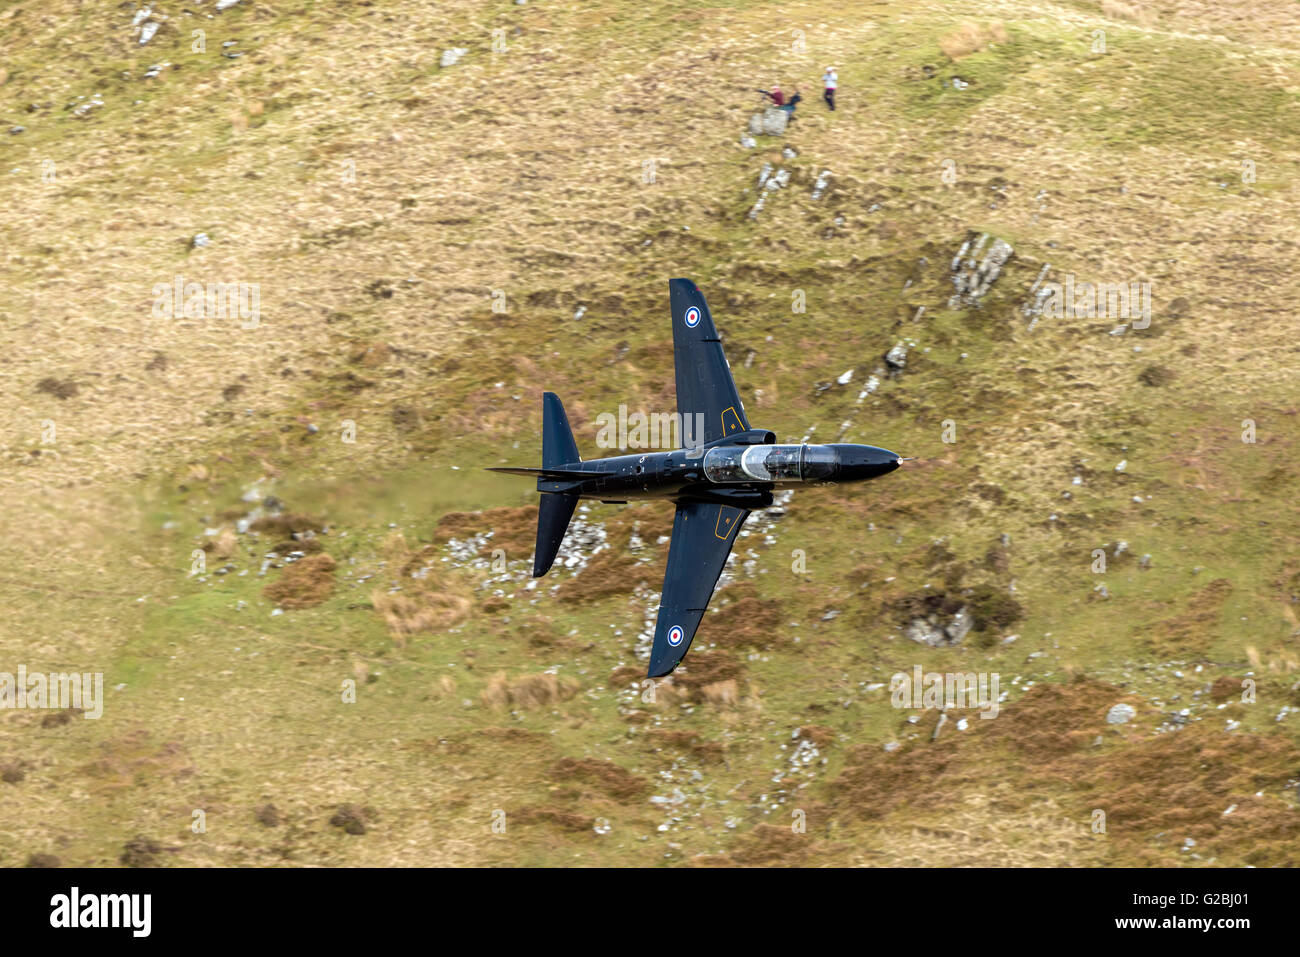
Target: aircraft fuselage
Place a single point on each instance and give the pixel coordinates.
(741, 471)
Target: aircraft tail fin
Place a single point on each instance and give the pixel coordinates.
(559, 449)
(558, 445)
(553, 515)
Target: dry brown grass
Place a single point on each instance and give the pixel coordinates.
(709, 675)
(550, 814)
(605, 776)
(512, 529)
(1119, 10)
(1192, 632)
(435, 600)
(611, 572)
(528, 691)
(1176, 784)
(768, 845)
(971, 38)
(418, 612)
(305, 583)
(723, 694)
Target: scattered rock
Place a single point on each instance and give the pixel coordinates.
(971, 280)
(930, 631)
(450, 57)
(81, 109)
(819, 187)
(780, 178)
(1121, 714)
(959, 627)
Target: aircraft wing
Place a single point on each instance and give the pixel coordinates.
(704, 383)
(702, 538)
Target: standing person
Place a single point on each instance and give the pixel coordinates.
(831, 81)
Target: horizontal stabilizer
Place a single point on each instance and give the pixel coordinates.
(553, 516)
(543, 473)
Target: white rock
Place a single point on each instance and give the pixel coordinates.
(449, 57)
(1121, 714)
(819, 187)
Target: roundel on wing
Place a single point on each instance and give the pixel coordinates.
(675, 635)
(693, 316)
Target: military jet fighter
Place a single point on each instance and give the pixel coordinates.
(715, 482)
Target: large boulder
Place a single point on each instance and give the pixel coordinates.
(771, 122)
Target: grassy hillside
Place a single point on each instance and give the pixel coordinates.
(233, 523)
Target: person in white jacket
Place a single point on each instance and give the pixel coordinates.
(831, 82)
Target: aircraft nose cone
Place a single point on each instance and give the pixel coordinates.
(858, 462)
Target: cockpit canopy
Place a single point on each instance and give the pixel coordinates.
(768, 463)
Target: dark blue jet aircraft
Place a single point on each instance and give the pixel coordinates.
(716, 482)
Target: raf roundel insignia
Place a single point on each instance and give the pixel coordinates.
(693, 316)
(675, 635)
